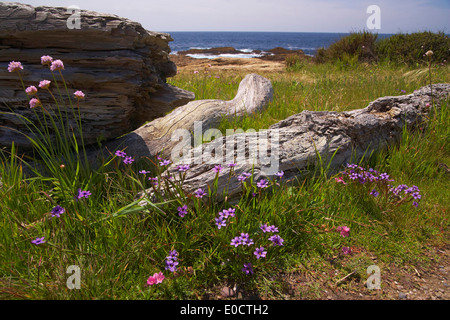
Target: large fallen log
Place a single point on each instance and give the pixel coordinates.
(296, 142)
(160, 135)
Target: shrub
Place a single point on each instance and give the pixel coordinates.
(410, 48)
(357, 44)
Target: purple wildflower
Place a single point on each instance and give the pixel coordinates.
(144, 172)
(245, 239)
(182, 211)
(171, 261)
(247, 269)
(57, 210)
(164, 162)
(415, 204)
(236, 241)
(121, 154)
(199, 193)
(82, 194)
(276, 240)
(262, 183)
(220, 222)
(183, 167)
(259, 252)
(374, 193)
(217, 169)
(38, 241)
(128, 160)
(154, 181)
(279, 174)
(232, 165)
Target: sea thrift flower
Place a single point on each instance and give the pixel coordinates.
(38, 241)
(128, 160)
(429, 53)
(247, 269)
(31, 90)
(14, 66)
(262, 183)
(182, 211)
(276, 240)
(46, 60)
(199, 193)
(259, 252)
(44, 84)
(34, 103)
(57, 65)
(196, 72)
(79, 94)
(56, 211)
(344, 230)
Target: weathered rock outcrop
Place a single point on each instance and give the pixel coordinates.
(120, 66)
(295, 142)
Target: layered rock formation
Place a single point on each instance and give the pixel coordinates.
(120, 66)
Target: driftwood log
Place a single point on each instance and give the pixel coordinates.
(294, 143)
(160, 135)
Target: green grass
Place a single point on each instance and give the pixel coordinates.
(117, 244)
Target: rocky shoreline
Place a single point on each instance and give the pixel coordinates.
(275, 54)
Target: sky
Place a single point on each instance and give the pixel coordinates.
(340, 16)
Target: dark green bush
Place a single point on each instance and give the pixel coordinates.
(399, 49)
(410, 48)
(360, 45)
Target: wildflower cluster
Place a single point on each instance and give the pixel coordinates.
(379, 184)
(260, 251)
(221, 220)
(171, 261)
(126, 159)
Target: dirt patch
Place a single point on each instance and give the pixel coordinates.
(249, 65)
(423, 281)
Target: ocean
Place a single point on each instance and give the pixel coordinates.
(246, 42)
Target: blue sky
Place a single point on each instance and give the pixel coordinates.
(272, 15)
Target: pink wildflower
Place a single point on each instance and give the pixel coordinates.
(34, 103)
(344, 230)
(79, 94)
(155, 279)
(31, 90)
(346, 250)
(57, 65)
(46, 60)
(44, 84)
(340, 180)
(14, 66)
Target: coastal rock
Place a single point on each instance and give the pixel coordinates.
(120, 66)
(292, 145)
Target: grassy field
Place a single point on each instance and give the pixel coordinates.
(118, 245)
